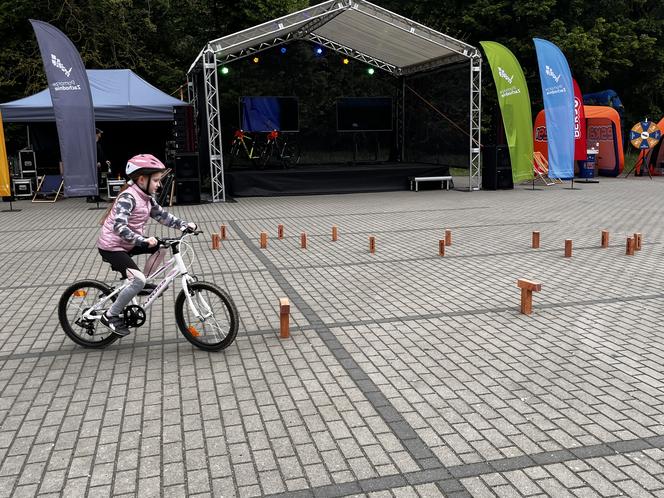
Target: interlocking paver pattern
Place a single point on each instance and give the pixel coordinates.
(407, 374)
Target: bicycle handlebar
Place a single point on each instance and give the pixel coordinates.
(169, 241)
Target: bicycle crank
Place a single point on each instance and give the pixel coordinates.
(134, 315)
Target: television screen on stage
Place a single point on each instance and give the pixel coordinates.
(364, 114)
(269, 113)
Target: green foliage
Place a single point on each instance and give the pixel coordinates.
(609, 43)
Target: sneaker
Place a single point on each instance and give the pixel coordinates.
(116, 324)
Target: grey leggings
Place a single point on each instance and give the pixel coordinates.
(121, 261)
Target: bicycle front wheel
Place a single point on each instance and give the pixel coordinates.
(218, 325)
(76, 300)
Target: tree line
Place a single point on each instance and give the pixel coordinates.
(614, 44)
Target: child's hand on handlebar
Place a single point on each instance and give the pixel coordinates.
(151, 241)
(190, 227)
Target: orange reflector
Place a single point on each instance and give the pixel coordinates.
(80, 293)
(192, 330)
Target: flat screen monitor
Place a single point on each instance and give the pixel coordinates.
(269, 113)
(364, 114)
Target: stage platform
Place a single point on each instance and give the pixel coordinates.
(327, 179)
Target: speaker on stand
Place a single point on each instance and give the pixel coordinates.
(496, 168)
(184, 133)
(187, 179)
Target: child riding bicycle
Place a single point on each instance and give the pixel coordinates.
(122, 233)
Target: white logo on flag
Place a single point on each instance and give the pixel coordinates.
(550, 72)
(504, 75)
(57, 63)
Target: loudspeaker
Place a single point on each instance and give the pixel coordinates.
(186, 166)
(496, 168)
(188, 191)
(184, 133)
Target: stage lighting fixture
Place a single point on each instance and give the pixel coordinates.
(346, 61)
(318, 51)
(283, 50)
(224, 70)
(255, 59)
(370, 71)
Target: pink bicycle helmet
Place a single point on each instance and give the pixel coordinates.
(144, 164)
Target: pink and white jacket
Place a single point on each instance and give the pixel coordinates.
(123, 227)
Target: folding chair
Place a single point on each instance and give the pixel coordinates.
(541, 169)
(49, 188)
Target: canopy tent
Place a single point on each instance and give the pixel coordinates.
(603, 128)
(357, 29)
(117, 95)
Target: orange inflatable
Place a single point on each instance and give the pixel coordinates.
(603, 127)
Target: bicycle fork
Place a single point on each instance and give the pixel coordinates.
(190, 302)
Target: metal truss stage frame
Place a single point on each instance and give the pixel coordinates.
(349, 27)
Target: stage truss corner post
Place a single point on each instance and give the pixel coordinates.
(192, 93)
(475, 169)
(192, 99)
(214, 126)
(401, 118)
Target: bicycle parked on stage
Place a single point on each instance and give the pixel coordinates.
(204, 313)
(247, 147)
(282, 148)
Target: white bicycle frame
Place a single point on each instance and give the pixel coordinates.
(179, 269)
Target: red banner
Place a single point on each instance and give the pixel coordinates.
(579, 125)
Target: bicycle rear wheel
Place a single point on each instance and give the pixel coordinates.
(76, 300)
(291, 154)
(233, 153)
(218, 327)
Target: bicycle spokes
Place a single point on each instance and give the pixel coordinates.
(79, 310)
(213, 321)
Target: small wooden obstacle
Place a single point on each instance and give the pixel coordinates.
(303, 240)
(637, 241)
(536, 240)
(372, 244)
(629, 250)
(280, 231)
(222, 232)
(284, 315)
(568, 248)
(335, 233)
(448, 237)
(605, 238)
(527, 288)
(263, 240)
(441, 247)
(215, 241)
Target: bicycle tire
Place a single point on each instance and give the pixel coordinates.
(191, 333)
(233, 154)
(291, 154)
(235, 149)
(63, 305)
(266, 153)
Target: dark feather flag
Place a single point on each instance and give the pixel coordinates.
(72, 106)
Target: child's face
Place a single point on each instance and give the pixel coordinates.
(150, 183)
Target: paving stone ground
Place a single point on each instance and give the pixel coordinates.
(407, 374)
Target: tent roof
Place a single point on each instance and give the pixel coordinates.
(355, 28)
(117, 95)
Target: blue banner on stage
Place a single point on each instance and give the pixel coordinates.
(260, 113)
(558, 93)
(72, 106)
